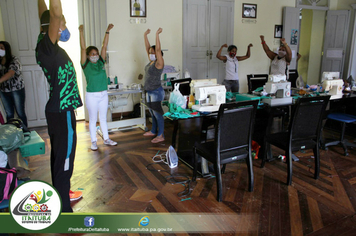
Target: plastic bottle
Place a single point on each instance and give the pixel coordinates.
(191, 101)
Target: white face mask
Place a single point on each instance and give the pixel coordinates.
(94, 59)
(281, 53)
(2, 53)
(152, 57)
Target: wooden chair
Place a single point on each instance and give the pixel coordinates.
(232, 140)
(303, 133)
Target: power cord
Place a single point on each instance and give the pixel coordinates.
(172, 179)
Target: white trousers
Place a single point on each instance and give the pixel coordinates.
(97, 101)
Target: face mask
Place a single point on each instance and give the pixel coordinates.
(65, 35)
(152, 57)
(232, 54)
(2, 53)
(94, 59)
(281, 53)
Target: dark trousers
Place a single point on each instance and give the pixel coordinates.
(12, 101)
(63, 137)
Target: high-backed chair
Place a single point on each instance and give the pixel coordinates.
(344, 119)
(303, 132)
(184, 85)
(255, 81)
(293, 76)
(232, 140)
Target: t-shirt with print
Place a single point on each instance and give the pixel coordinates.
(61, 76)
(95, 75)
(16, 82)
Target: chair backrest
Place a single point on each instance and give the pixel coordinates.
(255, 81)
(293, 76)
(307, 117)
(184, 85)
(235, 125)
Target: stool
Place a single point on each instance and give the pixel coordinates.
(343, 118)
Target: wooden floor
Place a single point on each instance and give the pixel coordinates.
(115, 179)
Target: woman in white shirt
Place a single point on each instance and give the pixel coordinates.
(231, 81)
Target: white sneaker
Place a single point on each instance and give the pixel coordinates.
(94, 146)
(109, 142)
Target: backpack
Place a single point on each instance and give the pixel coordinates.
(136, 111)
(8, 182)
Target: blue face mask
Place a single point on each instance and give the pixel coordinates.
(65, 35)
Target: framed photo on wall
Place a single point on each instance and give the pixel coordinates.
(138, 8)
(249, 10)
(278, 29)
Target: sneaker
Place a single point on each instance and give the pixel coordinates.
(75, 195)
(94, 146)
(109, 142)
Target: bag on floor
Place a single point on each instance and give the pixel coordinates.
(8, 182)
(11, 137)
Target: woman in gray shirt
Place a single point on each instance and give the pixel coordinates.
(153, 87)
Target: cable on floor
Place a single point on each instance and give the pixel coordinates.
(172, 179)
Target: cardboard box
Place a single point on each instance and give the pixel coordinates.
(35, 146)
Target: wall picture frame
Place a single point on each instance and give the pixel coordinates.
(138, 8)
(278, 30)
(249, 10)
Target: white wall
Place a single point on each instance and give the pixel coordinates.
(126, 39)
(269, 14)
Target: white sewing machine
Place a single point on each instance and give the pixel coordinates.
(201, 83)
(330, 76)
(210, 97)
(278, 85)
(332, 84)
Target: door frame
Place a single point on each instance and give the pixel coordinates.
(185, 24)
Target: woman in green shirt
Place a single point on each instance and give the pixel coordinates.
(96, 97)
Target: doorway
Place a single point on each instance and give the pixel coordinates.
(21, 29)
(312, 30)
(206, 26)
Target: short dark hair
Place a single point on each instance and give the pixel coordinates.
(154, 48)
(8, 53)
(229, 49)
(45, 21)
(88, 50)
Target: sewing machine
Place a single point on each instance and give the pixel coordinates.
(210, 97)
(334, 86)
(201, 83)
(278, 85)
(330, 76)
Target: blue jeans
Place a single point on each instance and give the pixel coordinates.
(157, 119)
(12, 101)
(232, 85)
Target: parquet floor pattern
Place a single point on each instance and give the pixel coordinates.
(115, 179)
